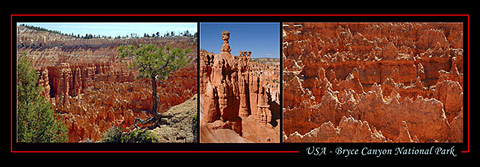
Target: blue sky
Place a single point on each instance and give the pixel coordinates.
(263, 39)
(115, 29)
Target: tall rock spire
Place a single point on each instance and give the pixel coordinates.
(226, 37)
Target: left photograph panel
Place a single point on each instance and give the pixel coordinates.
(82, 82)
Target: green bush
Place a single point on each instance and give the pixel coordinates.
(195, 117)
(116, 135)
(139, 136)
(195, 127)
(112, 135)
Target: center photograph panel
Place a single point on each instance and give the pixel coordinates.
(240, 94)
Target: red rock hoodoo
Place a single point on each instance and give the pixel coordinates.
(373, 82)
(93, 90)
(239, 98)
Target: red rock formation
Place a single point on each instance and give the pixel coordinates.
(43, 82)
(349, 130)
(404, 136)
(117, 101)
(237, 95)
(404, 79)
(72, 79)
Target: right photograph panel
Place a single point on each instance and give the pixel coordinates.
(372, 82)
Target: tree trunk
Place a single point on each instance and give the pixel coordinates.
(156, 116)
(154, 95)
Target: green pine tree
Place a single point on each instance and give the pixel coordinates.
(36, 120)
(155, 63)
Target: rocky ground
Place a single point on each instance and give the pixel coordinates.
(373, 82)
(92, 89)
(180, 124)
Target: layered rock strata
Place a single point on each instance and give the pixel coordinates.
(400, 82)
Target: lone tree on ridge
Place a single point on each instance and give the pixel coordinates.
(155, 63)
